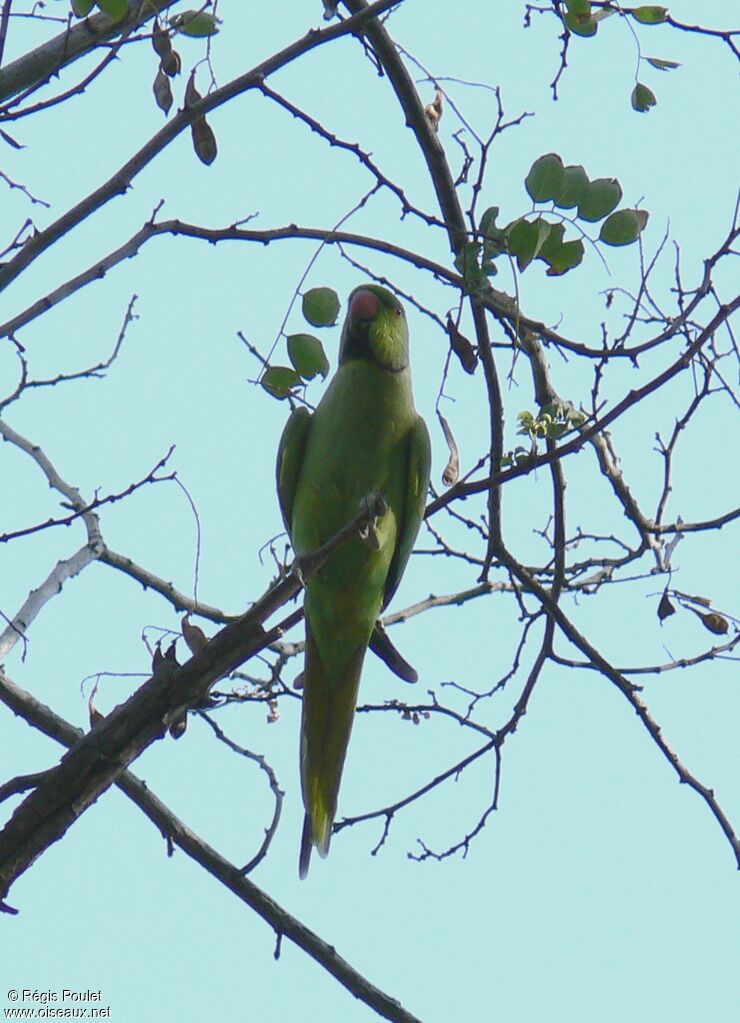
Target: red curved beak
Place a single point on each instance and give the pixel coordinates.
(364, 306)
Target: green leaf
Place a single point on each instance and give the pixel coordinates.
(565, 257)
(545, 178)
(600, 198)
(81, 8)
(115, 9)
(581, 25)
(623, 227)
(526, 421)
(280, 381)
(474, 275)
(494, 238)
(662, 65)
(553, 241)
(526, 238)
(195, 23)
(466, 261)
(650, 14)
(488, 220)
(560, 256)
(573, 187)
(321, 306)
(307, 355)
(642, 98)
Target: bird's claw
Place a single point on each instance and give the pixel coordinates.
(374, 506)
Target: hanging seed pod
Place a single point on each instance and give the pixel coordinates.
(204, 141)
(162, 91)
(171, 63)
(161, 41)
(665, 607)
(177, 728)
(194, 636)
(191, 92)
(452, 469)
(715, 623)
(461, 347)
(94, 714)
(434, 110)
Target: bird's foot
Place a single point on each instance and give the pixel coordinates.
(375, 507)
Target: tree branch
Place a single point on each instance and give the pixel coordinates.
(95, 762)
(176, 831)
(47, 60)
(121, 181)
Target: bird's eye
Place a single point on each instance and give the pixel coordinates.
(399, 311)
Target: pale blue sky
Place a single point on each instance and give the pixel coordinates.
(602, 890)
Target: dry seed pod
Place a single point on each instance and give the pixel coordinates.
(191, 92)
(715, 623)
(434, 110)
(93, 713)
(177, 728)
(461, 347)
(161, 40)
(194, 636)
(171, 63)
(162, 91)
(452, 469)
(665, 607)
(204, 141)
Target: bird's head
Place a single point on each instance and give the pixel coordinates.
(375, 329)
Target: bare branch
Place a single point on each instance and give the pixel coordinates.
(122, 179)
(179, 834)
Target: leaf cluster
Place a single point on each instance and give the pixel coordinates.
(529, 238)
(189, 23)
(320, 308)
(579, 19)
(551, 422)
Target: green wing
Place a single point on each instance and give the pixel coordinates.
(417, 483)
(289, 461)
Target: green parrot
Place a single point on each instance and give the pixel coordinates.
(364, 438)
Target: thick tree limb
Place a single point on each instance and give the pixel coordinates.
(441, 177)
(284, 923)
(79, 39)
(95, 762)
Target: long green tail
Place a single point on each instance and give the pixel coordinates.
(328, 715)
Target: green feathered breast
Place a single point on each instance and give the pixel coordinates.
(365, 437)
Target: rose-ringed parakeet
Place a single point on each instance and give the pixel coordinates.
(364, 438)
